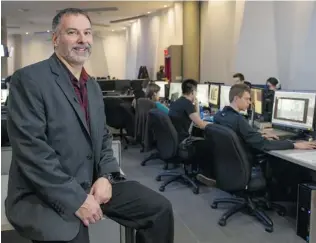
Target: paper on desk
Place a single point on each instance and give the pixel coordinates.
(307, 157)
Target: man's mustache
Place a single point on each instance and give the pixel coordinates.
(87, 46)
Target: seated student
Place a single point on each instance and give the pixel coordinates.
(239, 78)
(239, 97)
(138, 93)
(182, 113)
(152, 93)
(185, 110)
(273, 84)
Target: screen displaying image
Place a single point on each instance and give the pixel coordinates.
(214, 94)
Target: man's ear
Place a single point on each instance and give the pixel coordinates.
(55, 39)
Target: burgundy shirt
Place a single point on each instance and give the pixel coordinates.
(81, 92)
(80, 88)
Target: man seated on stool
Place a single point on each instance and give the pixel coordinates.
(183, 112)
(63, 175)
(239, 97)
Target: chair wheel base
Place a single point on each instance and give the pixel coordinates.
(222, 222)
(162, 188)
(158, 178)
(281, 213)
(269, 229)
(214, 205)
(196, 191)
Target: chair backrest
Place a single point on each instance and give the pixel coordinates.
(165, 134)
(231, 163)
(112, 106)
(142, 108)
(128, 117)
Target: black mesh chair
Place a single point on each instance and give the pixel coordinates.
(167, 145)
(116, 116)
(235, 174)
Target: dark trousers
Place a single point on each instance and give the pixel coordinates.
(138, 207)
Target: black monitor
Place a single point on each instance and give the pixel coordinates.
(138, 84)
(107, 85)
(122, 84)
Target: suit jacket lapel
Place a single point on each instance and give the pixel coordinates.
(93, 111)
(65, 84)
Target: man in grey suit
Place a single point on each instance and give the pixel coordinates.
(63, 175)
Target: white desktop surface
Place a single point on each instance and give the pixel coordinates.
(299, 157)
(5, 225)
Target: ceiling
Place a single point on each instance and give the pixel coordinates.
(26, 17)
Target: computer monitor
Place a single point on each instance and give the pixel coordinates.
(161, 84)
(294, 109)
(213, 97)
(257, 100)
(175, 91)
(122, 84)
(107, 85)
(4, 95)
(224, 96)
(202, 94)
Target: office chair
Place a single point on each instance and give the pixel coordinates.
(235, 174)
(167, 145)
(143, 105)
(116, 116)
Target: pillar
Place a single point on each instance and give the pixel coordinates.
(4, 41)
(17, 53)
(191, 40)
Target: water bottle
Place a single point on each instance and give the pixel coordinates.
(201, 111)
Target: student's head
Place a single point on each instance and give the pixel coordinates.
(239, 96)
(161, 68)
(189, 87)
(273, 84)
(153, 91)
(72, 35)
(238, 78)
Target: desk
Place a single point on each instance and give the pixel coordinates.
(291, 156)
(5, 225)
(119, 96)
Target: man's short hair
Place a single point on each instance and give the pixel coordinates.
(238, 90)
(67, 11)
(152, 88)
(240, 76)
(188, 86)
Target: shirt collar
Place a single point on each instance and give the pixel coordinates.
(84, 76)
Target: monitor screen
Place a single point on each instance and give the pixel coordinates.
(256, 99)
(4, 95)
(107, 85)
(214, 94)
(224, 97)
(202, 94)
(122, 85)
(294, 109)
(175, 91)
(161, 84)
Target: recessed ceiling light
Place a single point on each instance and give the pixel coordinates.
(27, 33)
(148, 12)
(112, 30)
(48, 31)
(22, 10)
(124, 28)
(165, 6)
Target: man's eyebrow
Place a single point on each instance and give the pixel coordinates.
(77, 29)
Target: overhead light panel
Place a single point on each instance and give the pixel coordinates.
(148, 12)
(165, 6)
(27, 33)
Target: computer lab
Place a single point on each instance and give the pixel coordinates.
(158, 121)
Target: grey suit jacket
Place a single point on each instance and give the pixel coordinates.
(55, 157)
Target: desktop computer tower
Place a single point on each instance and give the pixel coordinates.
(306, 212)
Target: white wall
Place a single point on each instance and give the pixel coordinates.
(108, 53)
(149, 36)
(259, 39)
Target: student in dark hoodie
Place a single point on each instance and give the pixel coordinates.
(239, 97)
